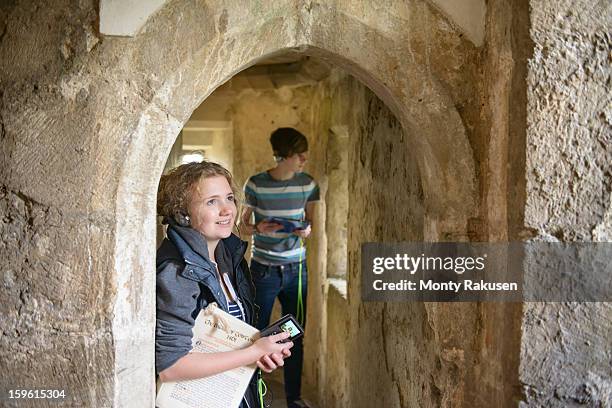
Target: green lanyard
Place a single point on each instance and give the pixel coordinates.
(262, 390)
(300, 302)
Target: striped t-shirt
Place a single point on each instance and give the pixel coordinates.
(234, 310)
(268, 198)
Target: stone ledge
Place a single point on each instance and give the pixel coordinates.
(339, 285)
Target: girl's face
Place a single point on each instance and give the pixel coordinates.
(212, 208)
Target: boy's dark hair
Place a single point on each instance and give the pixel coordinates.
(288, 141)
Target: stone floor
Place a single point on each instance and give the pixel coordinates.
(274, 382)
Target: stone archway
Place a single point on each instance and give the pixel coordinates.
(413, 94)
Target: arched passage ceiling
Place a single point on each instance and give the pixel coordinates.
(127, 17)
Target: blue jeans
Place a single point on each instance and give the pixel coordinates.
(282, 281)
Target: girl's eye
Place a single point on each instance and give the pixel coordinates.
(231, 198)
(211, 202)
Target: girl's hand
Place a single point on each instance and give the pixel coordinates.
(270, 344)
(272, 353)
(271, 362)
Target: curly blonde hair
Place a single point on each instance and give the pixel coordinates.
(176, 187)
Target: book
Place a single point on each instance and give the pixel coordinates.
(214, 331)
(289, 225)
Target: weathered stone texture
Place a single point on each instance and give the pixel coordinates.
(54, 322)
(565, 353)
(436, 147)
(87, 122)
(337, 202)
(570, 121)
(416, 352)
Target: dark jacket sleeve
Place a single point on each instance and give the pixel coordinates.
(176, 301)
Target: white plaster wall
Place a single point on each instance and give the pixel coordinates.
(126, 17)
(468, 15)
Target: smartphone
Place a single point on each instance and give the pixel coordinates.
(287, 323)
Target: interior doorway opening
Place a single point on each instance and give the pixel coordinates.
(348, 128)
(430, 134)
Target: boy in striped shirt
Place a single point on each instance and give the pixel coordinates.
(279, 257)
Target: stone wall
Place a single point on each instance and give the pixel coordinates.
(57, 233)
(498, 143)
(565, 350)
(436, 152)
(337, 202)
(394, 353)
(383, 189)
(415, 351)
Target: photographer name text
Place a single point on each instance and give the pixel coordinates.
(450, 286)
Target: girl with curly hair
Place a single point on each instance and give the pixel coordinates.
(201, 261)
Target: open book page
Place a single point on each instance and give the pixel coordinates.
(214, 331)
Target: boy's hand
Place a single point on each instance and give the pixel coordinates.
(266, 227)
(303, 233)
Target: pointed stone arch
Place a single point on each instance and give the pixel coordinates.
(420, 103)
